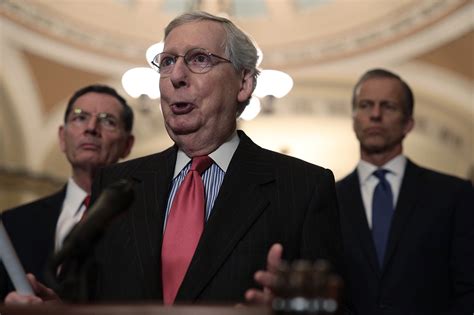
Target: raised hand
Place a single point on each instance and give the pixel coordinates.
(266, 278)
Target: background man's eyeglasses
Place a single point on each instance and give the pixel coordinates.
(81, 118)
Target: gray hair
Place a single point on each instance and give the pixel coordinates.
(239, 47)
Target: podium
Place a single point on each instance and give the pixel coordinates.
(131, 309)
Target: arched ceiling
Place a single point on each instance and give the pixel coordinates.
(49, 48)
(291, 32)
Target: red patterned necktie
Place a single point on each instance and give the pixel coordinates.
(183, 229)
(86, 202)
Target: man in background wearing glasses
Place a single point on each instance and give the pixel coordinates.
(96, 133)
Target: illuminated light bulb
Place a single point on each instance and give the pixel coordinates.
(273, 82)
(141, 81)
(152, 51)
(251, 110)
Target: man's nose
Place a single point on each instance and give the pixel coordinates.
(376, 111)
(93, 124)
(179, 74)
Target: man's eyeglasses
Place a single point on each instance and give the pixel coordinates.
(198, 60)
(81, 118)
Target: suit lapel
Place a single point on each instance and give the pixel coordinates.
(46, 227)
(355, 210)
(239, 203)
(407, 199)
(152, 185)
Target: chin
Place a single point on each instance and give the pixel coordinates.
(92, 160)
(181, 129)
(374, 147)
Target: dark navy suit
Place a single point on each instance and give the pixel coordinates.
(265, 198)
(429, 262)
(32, 230)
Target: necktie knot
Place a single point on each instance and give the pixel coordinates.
(380, 174)
(200, 163)
(383, 188)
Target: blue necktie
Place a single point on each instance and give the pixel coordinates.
(382, 211)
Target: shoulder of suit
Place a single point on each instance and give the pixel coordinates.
(274, 157)
(53, 200)
(436, 175)
(282, 158)
(136, 162)
(348, 179)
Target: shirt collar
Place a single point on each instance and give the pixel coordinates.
(74, 196)
(396, 166)
(221, 156)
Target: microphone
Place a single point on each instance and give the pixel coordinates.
(115, 199)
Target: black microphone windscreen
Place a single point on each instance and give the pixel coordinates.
(114, 199)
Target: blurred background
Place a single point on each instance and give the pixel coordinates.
(50, 48)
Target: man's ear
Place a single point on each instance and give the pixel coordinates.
(246, 86)
(128, 146)
(409, 124)
(62, 136)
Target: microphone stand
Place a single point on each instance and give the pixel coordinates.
(69, 270)
(70, 279)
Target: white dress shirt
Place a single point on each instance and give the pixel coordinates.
(221, 156)
(212, 177)
(71, 212)
(368, 181)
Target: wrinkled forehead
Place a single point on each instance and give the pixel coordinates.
(94, 103)
(206, 34)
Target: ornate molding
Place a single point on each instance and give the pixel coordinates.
(62, 30)
(374, 35)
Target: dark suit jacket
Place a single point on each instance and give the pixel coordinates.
(429, 264)
(265, 198)
(32, 229)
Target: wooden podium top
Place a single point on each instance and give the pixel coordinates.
(142, 309)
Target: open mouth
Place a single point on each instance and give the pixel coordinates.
(181, 108)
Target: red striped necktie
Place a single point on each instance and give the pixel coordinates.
(183, 229)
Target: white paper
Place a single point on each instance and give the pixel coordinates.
(12, 264)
